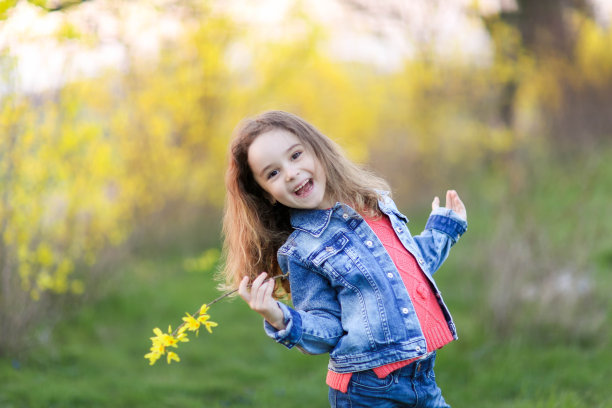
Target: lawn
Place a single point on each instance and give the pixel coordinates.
(94, 357)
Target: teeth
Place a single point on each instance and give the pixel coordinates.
(301, 185)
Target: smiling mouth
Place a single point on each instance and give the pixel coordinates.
(303, 188)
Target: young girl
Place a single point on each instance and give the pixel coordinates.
(361, 284)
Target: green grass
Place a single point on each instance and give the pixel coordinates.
(94, 356)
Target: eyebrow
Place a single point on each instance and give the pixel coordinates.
(263, 171)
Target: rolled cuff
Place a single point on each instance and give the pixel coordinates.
(448, 222)
(292, 333)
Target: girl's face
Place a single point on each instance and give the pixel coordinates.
(287, 171)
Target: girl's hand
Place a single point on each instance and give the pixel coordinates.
(453, 202)
(259, 298)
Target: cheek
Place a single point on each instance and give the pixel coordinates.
(320, 172)
(259, 187)
(273, 190)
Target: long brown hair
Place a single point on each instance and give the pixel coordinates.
(253, 227)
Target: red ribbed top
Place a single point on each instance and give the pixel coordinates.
(428, 311)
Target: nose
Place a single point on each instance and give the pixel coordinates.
(291, 173)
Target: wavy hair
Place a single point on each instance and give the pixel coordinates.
(254, 228)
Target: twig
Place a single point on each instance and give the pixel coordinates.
(226, 294)
(236, 290)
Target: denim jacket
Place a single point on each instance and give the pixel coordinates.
(349, 298)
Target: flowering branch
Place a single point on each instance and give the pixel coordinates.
(162, 341)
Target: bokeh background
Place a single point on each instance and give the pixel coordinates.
(115, 118)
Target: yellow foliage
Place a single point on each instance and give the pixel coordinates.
(55, 209)
(80, 166)
(68, 31)
(203, 263)
(593, 55)
(77, 287)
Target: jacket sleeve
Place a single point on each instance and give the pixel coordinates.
(313, 326)
(443, 229)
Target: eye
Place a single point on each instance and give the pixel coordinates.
(296, 154)
(272, 174)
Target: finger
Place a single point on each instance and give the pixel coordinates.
(270, 289)
(435, 203)
(458, 202)
(256, 287)
(461, 208)
(243, 289)
(264, 293)
(449, 199)
(258, 281)
(454, 198)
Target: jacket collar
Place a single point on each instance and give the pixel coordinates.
(312, 221)
(315, 221)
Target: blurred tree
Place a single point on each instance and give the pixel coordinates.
(141, 145)
(59, 205)
(87, 162)
(545, 25)
(553, 33)
(47, 5)
(537, 48)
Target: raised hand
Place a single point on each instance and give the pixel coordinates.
(453, 202)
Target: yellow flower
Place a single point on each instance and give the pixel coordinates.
(158, 348)
(153, 356)
(166, 339)
(172, 356)
(159, 336)
(161, 341)
(203, 319)
(203, 309)
(208, 326)
(191, 324)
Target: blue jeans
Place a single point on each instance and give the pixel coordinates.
(411, 386)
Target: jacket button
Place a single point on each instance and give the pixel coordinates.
(345, 216)
(405, 310)
(390, 275)
(398, 229)
(420, 260)
(369, 244)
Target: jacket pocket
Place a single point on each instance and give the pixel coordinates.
(369, 381)
(330, 248)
